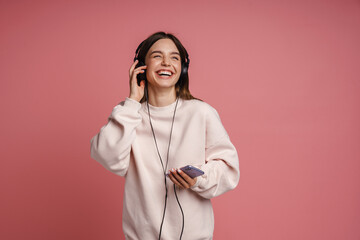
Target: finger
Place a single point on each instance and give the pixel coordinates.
(184, 176)
(173, 179)
(187, 178)
(133, 66)
(140, 68)
(133, 70)
(133, 77)
(182, 181)
(137, 71)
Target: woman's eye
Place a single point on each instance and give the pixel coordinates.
(176, 58)
(156, 56)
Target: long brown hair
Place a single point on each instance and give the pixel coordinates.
(182, 85)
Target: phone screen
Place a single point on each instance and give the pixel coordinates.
(192, 171)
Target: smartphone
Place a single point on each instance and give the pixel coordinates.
(193, 172)
(140, 76)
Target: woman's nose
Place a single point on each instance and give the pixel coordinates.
(166, 61)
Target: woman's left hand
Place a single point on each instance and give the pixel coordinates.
(181, 179)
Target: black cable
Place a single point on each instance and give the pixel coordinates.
(162, 164)
(161, 161)
(182, 213)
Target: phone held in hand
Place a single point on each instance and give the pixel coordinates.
(191, 171)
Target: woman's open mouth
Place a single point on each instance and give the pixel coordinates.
(164, 73)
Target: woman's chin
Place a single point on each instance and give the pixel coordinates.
(163, 83)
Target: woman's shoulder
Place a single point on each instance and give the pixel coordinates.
(197, 109)
(199, 106)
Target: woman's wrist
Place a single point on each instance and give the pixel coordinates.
(135, 98)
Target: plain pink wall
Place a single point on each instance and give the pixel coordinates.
(284, 76)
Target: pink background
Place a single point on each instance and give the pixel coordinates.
(283, 75)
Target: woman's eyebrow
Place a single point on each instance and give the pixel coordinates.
(157, 51)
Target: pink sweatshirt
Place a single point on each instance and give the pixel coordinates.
(125, 146)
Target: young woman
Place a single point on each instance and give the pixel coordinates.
(157, 130)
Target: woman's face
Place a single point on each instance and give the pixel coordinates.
(163, 64)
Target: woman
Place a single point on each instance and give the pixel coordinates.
(158, 129)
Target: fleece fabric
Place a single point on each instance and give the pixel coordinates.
(126, 147)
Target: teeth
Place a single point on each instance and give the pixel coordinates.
(165, 73)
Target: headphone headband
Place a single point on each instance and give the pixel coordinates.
(138, 50)
(186, 60)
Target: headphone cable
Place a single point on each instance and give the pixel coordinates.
(182, 213)
(167, 160)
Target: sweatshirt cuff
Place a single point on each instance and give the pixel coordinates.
(198, 182)
(131, 103)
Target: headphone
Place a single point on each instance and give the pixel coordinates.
(142, 76)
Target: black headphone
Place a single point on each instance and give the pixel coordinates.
(142, 76)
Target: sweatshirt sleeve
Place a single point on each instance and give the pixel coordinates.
(221, 166)
(112, 145)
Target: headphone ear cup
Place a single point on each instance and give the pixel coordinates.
(184, 70)
(141, 76)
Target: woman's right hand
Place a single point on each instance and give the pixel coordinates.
(136, 91)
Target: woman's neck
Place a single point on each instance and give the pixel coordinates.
(161, 97)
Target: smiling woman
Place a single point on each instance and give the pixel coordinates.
(143, 52)
(157, 130)
(163, 70)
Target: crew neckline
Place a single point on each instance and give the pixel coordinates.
(164, 109)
